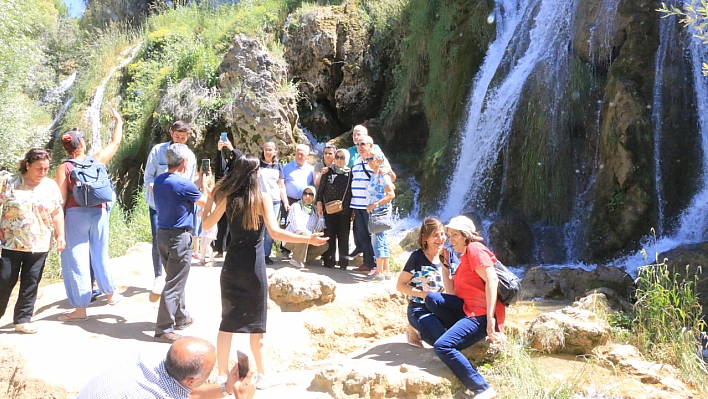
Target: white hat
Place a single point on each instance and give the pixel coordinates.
(463, 224)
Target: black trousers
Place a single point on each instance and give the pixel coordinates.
(222, 235)
(337, 229)
(28, 266)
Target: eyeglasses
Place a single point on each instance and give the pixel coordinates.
(342, 157)
(361, 144)
(370, 159)
(307, 194)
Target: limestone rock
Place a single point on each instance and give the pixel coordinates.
(410, 241)
(512, 240)
(569, 330)
(628, 359)
(262, 107)
(538, 283)
(576, 282)
(293, 288)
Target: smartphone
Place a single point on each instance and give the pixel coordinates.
(223, 137)
(243, 364)
(206, 163)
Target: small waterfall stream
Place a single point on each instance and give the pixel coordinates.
(491, 108)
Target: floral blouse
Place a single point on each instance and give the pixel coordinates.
(25, 214)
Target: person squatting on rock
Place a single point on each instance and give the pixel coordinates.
(335, 185)
(30, 205)
(469, 310)
(85, 228)
(272, 181)
(303, 220)
(244, 285)
(380, 192)
(175, 197)
(155, 166)
(298, 175)
(181, 374)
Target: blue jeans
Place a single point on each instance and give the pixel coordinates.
(427, 324)
(379, 242)
(361, 232)
(267, 239)
(461, 334)
(86, 234)
(156, 261)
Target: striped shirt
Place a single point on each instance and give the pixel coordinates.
(360, 181)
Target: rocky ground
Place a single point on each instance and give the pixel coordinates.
(330, 334)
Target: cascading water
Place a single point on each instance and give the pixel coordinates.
(93, 113)
(491, 109)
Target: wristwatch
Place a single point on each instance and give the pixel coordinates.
(223, 389)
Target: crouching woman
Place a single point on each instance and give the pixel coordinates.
(470, 311)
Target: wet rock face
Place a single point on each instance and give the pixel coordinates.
(262, 108)
(512, 240)
(326, 50)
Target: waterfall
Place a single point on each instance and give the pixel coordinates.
(491, 109)
(56, 93)
(602, 31)
(93, 113)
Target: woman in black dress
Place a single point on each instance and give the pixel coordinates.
(335, 185)
(244, 285)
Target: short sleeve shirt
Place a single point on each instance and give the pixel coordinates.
(469, 286)
(26, 218)
(375, 190)
(297, 178)
(424, 272)
(174, 199)
(268, 179)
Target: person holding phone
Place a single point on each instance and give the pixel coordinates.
(226, 156)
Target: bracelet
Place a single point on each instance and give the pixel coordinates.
(223, 389)
(377, 204)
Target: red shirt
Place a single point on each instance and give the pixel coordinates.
(470, 287)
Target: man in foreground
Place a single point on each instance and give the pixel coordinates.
(181, 374)
(175, 196)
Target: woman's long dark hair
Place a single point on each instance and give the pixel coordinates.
(240, 189)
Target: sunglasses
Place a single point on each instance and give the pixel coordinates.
(342, 157)
(361, 144)
(308, 194)
(370, 159)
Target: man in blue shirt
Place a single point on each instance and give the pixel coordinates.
(175, 197)
(155, 166)
(298, 175)
(179, 375)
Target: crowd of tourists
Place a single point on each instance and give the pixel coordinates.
(246, 207)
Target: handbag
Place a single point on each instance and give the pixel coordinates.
(337, 206)
(380, 220)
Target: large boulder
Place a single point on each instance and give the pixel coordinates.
(327, 50)
(512, 240)
(576, 282)
(538, 283)
(263, 106)
(571, 330)
(292, 289)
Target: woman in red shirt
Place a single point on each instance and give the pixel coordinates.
(471, 311)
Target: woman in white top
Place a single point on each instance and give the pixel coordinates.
(304, 220)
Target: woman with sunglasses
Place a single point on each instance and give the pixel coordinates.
(303, 220)
(380, 192)
(335, 186)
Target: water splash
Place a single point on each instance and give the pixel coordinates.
(58, 92)
(317, 146)
(491, 109)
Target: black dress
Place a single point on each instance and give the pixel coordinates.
(244, 285)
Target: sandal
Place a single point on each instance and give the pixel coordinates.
(68, 317)
(417, 344)
(115, 299)
(25, 328)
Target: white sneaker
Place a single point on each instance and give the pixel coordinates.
(490, 393)
(265, 382)
(158, 285)
(297, 264)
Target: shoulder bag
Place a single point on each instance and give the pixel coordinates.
(337, 206)
(380, 219)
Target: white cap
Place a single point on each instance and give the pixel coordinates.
(463, 224)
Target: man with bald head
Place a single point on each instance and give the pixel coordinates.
(181, 375)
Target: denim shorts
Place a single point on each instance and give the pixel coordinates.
(380, 243)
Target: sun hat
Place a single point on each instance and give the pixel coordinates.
(462, 224)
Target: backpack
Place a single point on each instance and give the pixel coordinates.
(92, 184)
(509, 284)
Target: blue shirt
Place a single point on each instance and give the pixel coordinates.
(174, 199)
(157, 164)
(144, 380)
(297, 178)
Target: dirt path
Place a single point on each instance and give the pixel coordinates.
(67, 355)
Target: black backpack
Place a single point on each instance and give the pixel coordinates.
(509, 284)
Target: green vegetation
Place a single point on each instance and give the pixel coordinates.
(668, 322)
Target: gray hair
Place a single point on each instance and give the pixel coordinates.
(176, 154)
(302, 147)
(367, 139)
